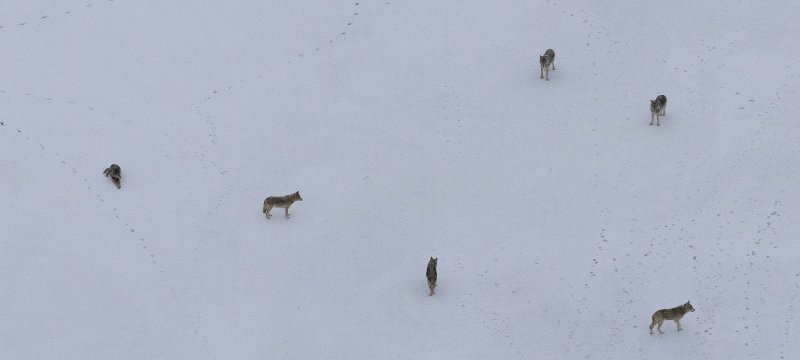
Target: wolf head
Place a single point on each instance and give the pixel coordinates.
(544, 60)
(296, 196)
(655, 106)
(659, 103)
(688, 307)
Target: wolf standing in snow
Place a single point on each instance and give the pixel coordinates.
(545, 62)
(674, 314)
(431, 274)
(116, 174)
(658, 107)
(280, 202)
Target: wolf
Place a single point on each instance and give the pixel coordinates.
(116, 174)
(545, 61)
(280, 202)
(658, 107)
(431, 274)
(674, 314)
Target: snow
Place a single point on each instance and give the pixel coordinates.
(412, 129)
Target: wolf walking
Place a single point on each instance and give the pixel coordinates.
(116, 174)
(545, 62)
(674, 314)
(431, 274)
(658, 107)
(280, 202)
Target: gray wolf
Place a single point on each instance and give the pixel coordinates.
(280, 202)
(674, 314)
(431, 274)
(545, 61)
(658, 107)
(116, 174)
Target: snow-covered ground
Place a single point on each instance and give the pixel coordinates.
(412, 129)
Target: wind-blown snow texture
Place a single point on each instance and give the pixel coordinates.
(412, 129)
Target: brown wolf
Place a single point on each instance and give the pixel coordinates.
(116, 174)
(431, 274)
(280, 202)
(675, 314)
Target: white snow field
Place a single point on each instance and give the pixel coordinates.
(560, 218)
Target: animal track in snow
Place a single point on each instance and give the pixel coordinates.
(22, 23)
(349, 24)
(232, 181)
(67, 163)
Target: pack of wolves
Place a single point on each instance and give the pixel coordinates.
(546, 63)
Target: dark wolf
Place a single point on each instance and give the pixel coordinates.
(545, 62)
(116, 174)
(658, 108)
(431, 274)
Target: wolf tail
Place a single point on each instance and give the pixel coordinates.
(264, 209)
